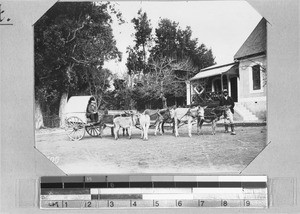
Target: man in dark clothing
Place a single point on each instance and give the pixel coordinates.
(228, 115)
(91, 110)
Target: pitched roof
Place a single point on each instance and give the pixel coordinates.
(256, 43)
(217, 66)
(217, 70)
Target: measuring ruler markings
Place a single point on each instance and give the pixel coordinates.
(153, 191)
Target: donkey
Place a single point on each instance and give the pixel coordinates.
(144, 120)
(157, 118)
(211, 115)
(184, 115)
(163, 116)
(199, 114)
(126, 122)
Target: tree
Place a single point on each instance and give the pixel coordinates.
(143, 32)
(174, 58)
(165, 80)
(98, 83)
(136, 61)
(120, 97)
(72, 41)
(165, 40)
(173, 42)
(177, 45)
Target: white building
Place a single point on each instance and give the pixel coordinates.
(245, 78)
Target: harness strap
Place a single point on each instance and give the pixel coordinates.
(138, 127)
(157, 111)
(186, 114)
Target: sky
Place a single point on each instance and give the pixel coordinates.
(222, 26)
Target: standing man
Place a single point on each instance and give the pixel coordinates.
(228, 101)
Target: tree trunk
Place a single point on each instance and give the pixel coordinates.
(164, 102)
(144, 56)
(39, 122)
(62, 109)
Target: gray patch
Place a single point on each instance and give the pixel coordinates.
(283, 192)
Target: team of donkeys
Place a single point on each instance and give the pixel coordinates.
(157, 118)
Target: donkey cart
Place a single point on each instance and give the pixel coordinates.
(76, 122)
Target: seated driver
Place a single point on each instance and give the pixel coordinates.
(91, 110)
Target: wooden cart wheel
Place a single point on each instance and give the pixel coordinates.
(93, 130)
(75, 128)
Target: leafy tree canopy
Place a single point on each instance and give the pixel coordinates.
(143, 29)
(174, 58)
(136, 61)
(173, 42)
(72, 41)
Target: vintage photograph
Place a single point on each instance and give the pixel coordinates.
(151, 87)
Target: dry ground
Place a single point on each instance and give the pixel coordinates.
(220, 153)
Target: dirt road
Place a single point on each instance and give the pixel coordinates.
(220, 153)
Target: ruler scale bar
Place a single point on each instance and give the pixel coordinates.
(71, 204)
(123, 191)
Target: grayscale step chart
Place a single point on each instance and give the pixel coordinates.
(99, 192)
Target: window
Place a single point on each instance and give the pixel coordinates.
(256, 77)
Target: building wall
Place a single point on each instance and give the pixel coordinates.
(259, 108)
(254, 100)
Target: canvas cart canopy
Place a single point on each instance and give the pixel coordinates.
(76, 106)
